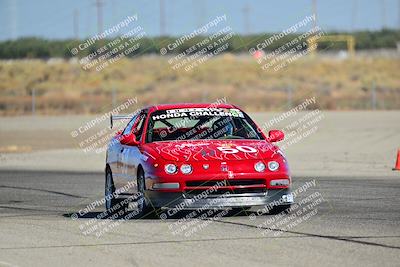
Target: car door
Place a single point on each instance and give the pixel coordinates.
(131, 155)
(115, 154)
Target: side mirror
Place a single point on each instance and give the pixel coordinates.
(129, 140)
(275, 136)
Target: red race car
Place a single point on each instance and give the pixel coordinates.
(195, 156)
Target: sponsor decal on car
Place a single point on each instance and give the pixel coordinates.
(196, 112)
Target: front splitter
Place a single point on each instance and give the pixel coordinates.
(177, 200)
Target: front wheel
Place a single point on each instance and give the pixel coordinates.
(141, 204)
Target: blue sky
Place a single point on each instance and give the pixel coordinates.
(53, 19)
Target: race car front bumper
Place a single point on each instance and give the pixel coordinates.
(183, 201)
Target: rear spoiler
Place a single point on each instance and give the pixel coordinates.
(119, 117)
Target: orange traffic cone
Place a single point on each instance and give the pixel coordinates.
(397, 166)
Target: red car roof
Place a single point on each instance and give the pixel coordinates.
(190, 105)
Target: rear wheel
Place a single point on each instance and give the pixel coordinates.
(110, 201)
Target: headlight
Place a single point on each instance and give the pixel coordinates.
(280, 182)
(273, 166)
(186, 169)
(170, 168)
(259, 166)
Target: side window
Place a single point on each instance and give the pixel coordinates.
(139, 127)
(128, 127)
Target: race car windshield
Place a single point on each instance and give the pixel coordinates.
(200, 123)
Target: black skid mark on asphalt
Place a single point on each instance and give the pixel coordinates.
(41, 190)
(29, 209)
(338, 238)
(371, 236)
(185, 241)
(299, 235)
(150, 242)
(25, 215)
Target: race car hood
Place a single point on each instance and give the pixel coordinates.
(202, 150)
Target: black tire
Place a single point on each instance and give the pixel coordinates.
(142, 203)
(111, 203)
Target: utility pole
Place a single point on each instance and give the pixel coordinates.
(76, 23)
(113, 7)
(114, 97)
(33, 101)
(205, 96)
(246, 19)
(314, 11)
(14, 20)
(99, 7)
(383, 13)
(354, 15)
(162, 18)
(373, 95)
(398, 15)
(201, 11)
(289, 96)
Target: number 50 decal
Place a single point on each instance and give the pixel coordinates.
(236, 149)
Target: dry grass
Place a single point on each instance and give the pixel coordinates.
(63, 87)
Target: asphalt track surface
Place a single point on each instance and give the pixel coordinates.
(357, 222)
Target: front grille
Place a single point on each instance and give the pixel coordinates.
(238, 182)
(219, 187)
